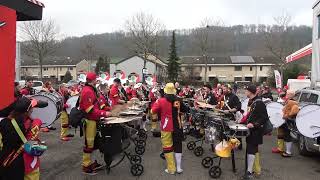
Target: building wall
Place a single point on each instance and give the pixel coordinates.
(134, 64)
(49, 72)
(228, 73)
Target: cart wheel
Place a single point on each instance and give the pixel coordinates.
(191, 145)
(198, 151)
(136, 169)
(215, 172)
(143, 135)
(207, 162)
(140, 150)
(136, 159)
(141, 142)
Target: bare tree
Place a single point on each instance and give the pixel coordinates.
(144, 30)
(41, 39)
(203, 38)
(89, 51)
(277, 40)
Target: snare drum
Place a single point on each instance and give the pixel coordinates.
(239, 130)
(50, 113)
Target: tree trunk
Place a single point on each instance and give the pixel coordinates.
(40, 63)
(205, 71)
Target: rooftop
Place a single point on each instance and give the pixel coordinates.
(53, 60)
(227, 60)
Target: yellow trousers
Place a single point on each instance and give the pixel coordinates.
(280, 142)
(90, 132)
(256, 164)
(154, 121)
(167, 145)
(64, 124)
(34, 175)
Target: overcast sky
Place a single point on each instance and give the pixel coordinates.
(79, 17)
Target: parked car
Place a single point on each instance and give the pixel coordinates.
(37, 85)
(304, 97)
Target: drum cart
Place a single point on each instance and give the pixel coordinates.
(219, 129)
(194, 128)
(121, 137)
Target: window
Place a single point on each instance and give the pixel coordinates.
(248, 79)
(52, 77)
(238, 68)
(210, 68)
(26, 69)
(54, 68)
(309, 98)
(296, 96)
(250, 68)
(261, 67)
(237, 79)
(37, 83)
(70, 68)
(45, 69)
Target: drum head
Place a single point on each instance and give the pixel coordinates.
(275, 114)
(72, 101)
(307, 121)
(48, 114)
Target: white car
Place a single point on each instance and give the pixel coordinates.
(37, 85)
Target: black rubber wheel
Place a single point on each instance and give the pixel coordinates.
(136, 169)
(191, 145)
(198, 151)
(141, 142)
(140, 150)
(142, 134)
(207, 162)
(136, 159)
(215, 172)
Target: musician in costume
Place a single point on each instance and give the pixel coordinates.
(104, 97)
(290, 111)
(64, 118)
(169, 108)
(18, 127)
(47, 87)
(209, 96)
(28, 90)
(115, 94)
(89, 104)
(153, 96)
(131, 92)
(257, 117)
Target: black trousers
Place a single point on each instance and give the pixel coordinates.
(177, 138)
(252, 148)
(286, 133)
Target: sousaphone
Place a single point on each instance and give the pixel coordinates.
(308, 121)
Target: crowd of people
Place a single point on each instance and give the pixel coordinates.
(97, 99)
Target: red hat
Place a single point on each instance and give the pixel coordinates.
(91, 76)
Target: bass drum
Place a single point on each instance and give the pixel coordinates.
(50, 113)
(72, 101)
(275, 114)
(307, 121)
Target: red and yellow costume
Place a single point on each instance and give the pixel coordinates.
(32, 163)
(89, 104)
(64, 119)
(131, 93)
(114, 95)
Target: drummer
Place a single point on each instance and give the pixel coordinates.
(169, 108)
(258, 116)
(64, 119)
(131, 92)
(28, 90)
(47, 87)
(231, 102)
(290, 111)
(115, 94)
(88, 99)
(209, 96)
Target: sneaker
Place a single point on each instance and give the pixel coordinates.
(45, 129)
(167, 171)
(96, 166)
(286, 155)
(70, 135)
(276, 151)
(88, 170)
(247, 176)
(51, 128)
(179, 171)
(65, 138)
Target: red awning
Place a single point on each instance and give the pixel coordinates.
(300, 54)
(36, 2)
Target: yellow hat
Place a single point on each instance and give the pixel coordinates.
(170, 89)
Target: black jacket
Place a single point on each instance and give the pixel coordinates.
(233, 102)
(258, 117)
(212, 100)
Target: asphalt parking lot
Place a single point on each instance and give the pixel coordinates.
(62, 161)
